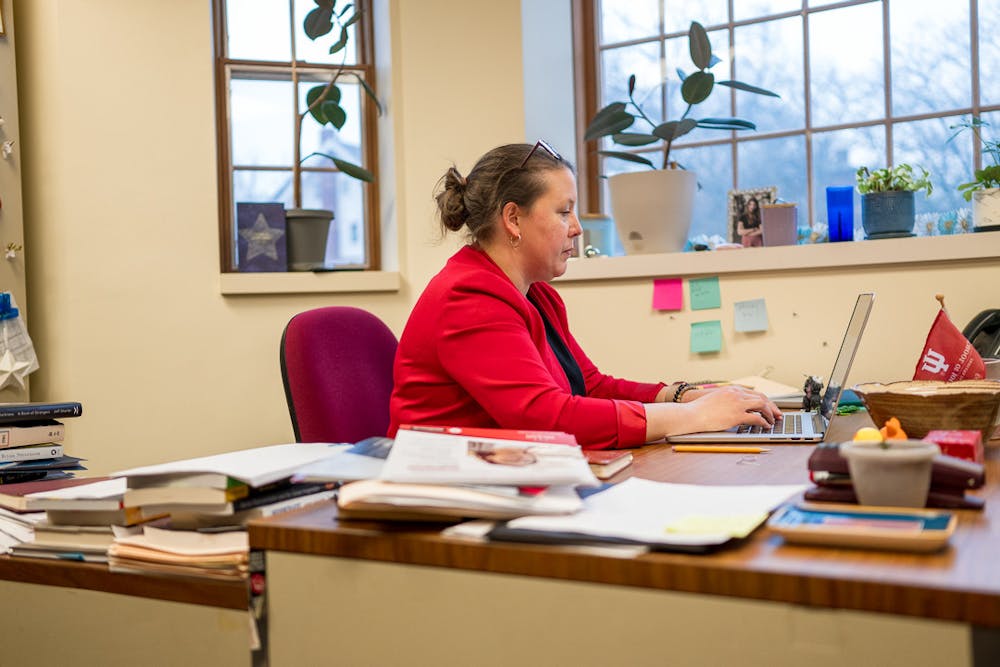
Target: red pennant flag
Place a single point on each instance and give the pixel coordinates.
(948, 355)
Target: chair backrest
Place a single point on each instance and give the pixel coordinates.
(336, 365)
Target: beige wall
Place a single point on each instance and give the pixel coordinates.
(122, 251)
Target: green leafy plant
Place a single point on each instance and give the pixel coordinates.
(615, 118)
(894, 179)
(987, 177)
(323, 100)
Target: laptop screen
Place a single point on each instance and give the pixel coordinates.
(849, 346)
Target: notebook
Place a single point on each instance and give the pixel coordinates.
(799, 426)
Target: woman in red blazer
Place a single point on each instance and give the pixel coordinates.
(488, 343)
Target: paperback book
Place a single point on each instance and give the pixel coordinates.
(32, 433)
(19, 412)
(606, 463)
(32, 453)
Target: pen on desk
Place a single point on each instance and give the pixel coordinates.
(719, 449)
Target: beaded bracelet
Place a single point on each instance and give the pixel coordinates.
(681, 388)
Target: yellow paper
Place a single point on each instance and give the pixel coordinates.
(734, 525)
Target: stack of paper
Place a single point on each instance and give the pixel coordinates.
(215, 555)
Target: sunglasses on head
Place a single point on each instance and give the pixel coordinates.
(545, 147)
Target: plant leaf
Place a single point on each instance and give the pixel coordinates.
(609, 124)
(345, 10)
(370, 93)
(355, 17)
(697, 87)
(700, 47)
(631, 84)
(633, 139)
(614, 107)
(674, 128)
(726, 124)
(318, 22)
(715, 60)
(335, 114)
(628, 157)
(317, 111)
(680, 74)
(340, 43)
(739, 85)
(353, 170)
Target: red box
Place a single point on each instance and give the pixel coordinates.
(966, 445)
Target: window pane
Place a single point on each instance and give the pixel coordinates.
(622, 20)
(925, 143)
(643, 60)
(714, 167)
(769, 55)
(262, 120)
(847, 74)
(751, 9)
(344, 143)
(780, 162)
(678, 14)
(319, 51)
(345, 197)
(718, 103)
(989, 51)
(836, 158)
(262, 186)
(258, 29)
(930, 56)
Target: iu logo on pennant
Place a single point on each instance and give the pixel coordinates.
(934, 363)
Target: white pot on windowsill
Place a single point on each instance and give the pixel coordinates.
(652, 209)
(986, 208)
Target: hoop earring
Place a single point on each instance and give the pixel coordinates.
(514, 241)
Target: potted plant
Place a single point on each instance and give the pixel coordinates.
(308, 228)
(652, 209)
(984, 191)
(887, 208)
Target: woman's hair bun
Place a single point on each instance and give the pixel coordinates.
(451, 200)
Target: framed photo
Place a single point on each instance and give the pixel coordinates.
(262, 242)
(744, 214)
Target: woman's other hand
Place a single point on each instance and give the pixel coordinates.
(724, 407)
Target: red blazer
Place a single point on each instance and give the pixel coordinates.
(474, 353)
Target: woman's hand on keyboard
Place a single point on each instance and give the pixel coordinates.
(724, 407)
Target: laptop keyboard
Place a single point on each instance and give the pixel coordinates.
(790, 425)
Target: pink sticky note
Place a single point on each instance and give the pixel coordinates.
(668, 294)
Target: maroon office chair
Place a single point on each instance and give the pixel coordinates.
(336, 366)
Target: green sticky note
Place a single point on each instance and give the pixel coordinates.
(705, 293)
(706, 336)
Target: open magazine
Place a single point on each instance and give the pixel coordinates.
(432, 457)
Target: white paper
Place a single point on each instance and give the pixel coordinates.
(493, 502)
(108, 488)
(343, 466)
(642, 510)
(189, 542)
(440, 458)
(256, 467)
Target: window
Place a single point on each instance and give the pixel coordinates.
(862, 83)
(265, 66)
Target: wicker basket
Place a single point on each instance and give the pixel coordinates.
(925, 405)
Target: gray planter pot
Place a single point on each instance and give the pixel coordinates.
(895, 476)
(307, 233)
(888, 214)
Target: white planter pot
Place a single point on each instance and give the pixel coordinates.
(652, 209)
(895, 476)
(986, 207)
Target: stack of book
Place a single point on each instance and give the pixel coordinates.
(208, 501)
(31, 437)
(443, 473)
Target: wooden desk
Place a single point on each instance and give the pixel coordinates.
(66, 613)
(376, 593)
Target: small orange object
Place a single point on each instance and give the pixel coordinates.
(892, 430)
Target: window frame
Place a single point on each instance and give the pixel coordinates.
(587, 74)
(365, 67)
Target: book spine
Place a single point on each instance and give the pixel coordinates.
(293, 491)
(30, 453)
(16, 436)
(24, 476)
(14, 412)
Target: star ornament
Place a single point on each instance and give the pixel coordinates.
(12, 371)
(261, 239)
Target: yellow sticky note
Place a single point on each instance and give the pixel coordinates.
(734, 525)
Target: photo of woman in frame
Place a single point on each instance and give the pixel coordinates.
(745, 215)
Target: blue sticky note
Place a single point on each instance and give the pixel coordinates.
(706, 336)
(704, 293)
(750, 315)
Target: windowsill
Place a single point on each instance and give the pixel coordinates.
(307, 282)
(916, 250)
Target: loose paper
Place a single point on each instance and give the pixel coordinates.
(668, 294)
(750, 315)
(706, 336)
(705, 293)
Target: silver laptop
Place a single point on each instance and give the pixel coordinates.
(800, 426)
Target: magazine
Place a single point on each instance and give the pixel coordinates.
(426, 457)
